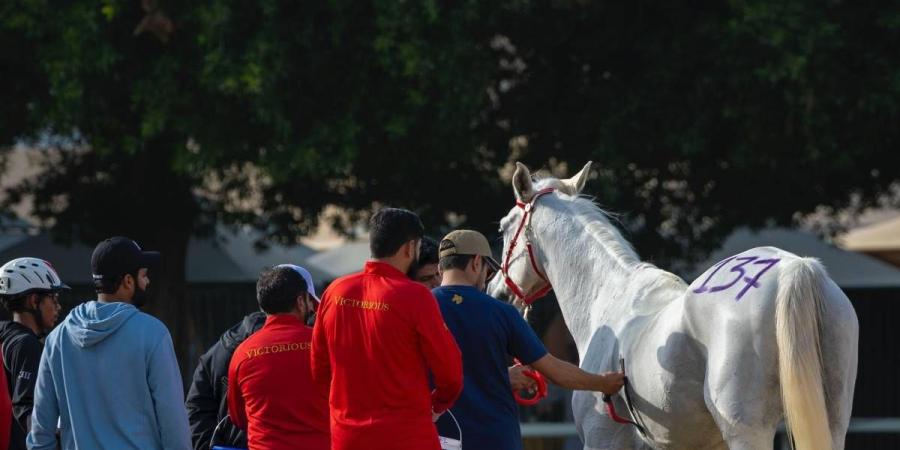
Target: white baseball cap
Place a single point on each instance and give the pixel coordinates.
(310, 287)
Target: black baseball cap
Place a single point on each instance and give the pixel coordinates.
(118, 256)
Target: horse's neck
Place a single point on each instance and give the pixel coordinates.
(590, 278)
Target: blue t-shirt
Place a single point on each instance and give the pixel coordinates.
(487, 331)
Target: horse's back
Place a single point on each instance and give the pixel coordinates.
(744, 288)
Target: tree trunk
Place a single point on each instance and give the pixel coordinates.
(169, 290)
(166, 219)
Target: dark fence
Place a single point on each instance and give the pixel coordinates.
(214, 308)
(878, 380)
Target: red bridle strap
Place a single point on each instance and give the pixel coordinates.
(526, 222)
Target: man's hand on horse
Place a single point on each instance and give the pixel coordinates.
(569, 376)
(612, 382)
(519, 381)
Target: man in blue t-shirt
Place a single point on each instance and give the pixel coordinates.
(488, 331)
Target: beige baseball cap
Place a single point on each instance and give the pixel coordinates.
(467, 242)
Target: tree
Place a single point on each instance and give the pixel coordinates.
(171, 116)
(709, 116)
(164, 118)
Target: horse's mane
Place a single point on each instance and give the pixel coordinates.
(620, 256)
(595, 220)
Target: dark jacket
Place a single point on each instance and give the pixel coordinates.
(21, 357)
(205, 402)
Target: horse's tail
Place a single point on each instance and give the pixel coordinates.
(797, 319)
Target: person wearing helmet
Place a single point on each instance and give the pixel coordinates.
(28, 290)
(108, 377)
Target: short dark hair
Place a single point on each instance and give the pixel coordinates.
(390, 228)
(111, 285)
(278, 288)
(15, 303)
(459, 262)
(428, 254)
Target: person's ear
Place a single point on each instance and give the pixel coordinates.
(32, 301)
(301, 302)
(128, 282)
(474, 263)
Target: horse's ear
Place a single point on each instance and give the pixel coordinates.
(576, 184)
(522, 184)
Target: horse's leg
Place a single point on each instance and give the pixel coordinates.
(840, 333)
(741, 387)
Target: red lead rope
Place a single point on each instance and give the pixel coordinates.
(541, 387)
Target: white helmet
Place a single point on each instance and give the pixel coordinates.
(26, 275)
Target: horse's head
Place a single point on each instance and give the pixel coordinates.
(523, 276)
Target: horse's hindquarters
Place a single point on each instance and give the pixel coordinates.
(760, 305)
(730, 310)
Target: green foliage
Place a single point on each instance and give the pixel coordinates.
(713, 115)
(702, 116)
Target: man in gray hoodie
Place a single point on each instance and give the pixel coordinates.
(108, 375)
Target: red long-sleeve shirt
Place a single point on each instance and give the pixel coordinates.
(271, 393)
(376, 338)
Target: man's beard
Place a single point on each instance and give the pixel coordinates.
(140, 297)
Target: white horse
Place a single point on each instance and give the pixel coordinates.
(760, 336)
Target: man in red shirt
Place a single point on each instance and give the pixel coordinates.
(271, 393)
(377, 336)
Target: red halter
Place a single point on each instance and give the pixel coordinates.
(526, 222)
